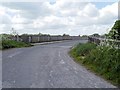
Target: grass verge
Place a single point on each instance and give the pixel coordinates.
(104, 61)
(6, 44)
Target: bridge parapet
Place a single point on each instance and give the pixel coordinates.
(104, 42)
(47, 38)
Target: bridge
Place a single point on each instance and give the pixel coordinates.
(47, 66)
(44, 38)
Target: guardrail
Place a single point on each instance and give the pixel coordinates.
(104, 42)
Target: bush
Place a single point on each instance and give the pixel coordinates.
(84, 49)
(106, 61)
(12, 44)
(103, 60)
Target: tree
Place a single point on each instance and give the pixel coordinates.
(115, 31)
(96, 35)
(40, 34)
(66, 35)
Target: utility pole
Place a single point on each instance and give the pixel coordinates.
(15, 34)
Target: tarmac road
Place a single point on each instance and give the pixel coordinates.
(47, 66)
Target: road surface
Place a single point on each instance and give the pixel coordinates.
(47, 66)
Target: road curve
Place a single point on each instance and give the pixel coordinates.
(46, 66)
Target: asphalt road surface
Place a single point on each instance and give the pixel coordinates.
(46, 66)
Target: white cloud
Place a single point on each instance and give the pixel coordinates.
(108, 14)
(90, 10)
(73, 18)
(17, 19)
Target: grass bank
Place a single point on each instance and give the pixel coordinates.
(6, 44)
(104, 61)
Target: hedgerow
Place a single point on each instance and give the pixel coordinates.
(5, 44)
(103, 60)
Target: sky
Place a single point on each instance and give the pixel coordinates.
(58, 17)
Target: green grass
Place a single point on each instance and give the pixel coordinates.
(105, 61)
(6, 44)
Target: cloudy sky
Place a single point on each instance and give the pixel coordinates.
(58, 17)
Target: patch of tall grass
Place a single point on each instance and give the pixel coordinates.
(103, 60)
(5, 44)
